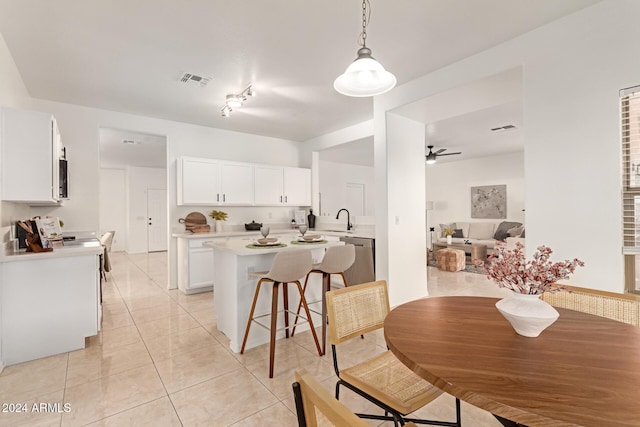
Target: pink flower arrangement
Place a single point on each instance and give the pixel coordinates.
(509, 269)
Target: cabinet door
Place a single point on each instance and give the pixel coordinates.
(269, 185)
(297, 186)
(27, 141)
(198, 182)
(200, 268)
(236, 183)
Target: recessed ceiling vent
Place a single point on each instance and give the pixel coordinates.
(503, 128)
(194, 80)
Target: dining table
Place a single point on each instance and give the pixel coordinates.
(583, 370)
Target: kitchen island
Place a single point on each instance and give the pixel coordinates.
(233, 288)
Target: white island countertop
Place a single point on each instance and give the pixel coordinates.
(239, 246)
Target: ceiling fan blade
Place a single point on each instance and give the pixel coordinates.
(441, 150)
(449, 154)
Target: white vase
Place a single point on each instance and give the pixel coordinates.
(449, 239)
(528, 314)
(218, 226)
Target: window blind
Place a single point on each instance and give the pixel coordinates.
(630, 132)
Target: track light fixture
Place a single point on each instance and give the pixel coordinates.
(236, 100)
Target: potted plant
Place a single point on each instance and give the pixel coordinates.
(448, 233)
(528, 279)
(218, 216)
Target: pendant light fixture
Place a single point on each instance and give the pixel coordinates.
(365, 76)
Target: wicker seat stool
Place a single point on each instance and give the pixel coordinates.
(450, 260)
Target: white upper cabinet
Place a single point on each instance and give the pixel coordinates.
(198, 181)
(209, 182)
(236, 183)
(269, 185)
(30, 144)
(297, 186)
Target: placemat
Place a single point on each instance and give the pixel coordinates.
(254, 246)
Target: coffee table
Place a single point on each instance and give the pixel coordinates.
(477, 251)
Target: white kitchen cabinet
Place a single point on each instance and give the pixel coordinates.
(269, 185)
(31, 145)
(198, 181)
(236, 183)
(297, 187)
(50, 302)
(276, 186)
(195, 265)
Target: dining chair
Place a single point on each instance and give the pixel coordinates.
(106, 240)
(315, 405)
(287, 267)
(336, 260)
(621, 307)
(383, 379)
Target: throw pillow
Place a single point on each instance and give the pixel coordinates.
(481, 230)
(443, 226)
(502, 231)
(457, 233)
(515, 231)
(522, 235)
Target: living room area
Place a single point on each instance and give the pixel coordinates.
(474, 180)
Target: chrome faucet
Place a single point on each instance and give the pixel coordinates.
(349, 225)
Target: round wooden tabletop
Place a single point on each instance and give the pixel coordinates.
(583, 370)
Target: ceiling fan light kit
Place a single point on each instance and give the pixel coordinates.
(236, 100)
(432, 156)
(365, 76)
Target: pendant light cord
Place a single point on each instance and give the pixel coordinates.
(366, 17)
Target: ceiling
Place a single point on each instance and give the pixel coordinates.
(139, 150)
(128, 56)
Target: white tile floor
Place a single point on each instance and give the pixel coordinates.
(160, 361)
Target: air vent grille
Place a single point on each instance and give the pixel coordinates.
(194, 80)
(502, 128)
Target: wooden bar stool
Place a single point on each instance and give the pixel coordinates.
(287, 267)
(336, 260)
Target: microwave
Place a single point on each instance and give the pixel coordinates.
(63, 179)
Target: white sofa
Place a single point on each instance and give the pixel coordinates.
(478, 232)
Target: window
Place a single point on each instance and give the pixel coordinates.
(630, 132)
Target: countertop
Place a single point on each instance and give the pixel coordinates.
(239, 246)
(72, 248)
(367, 233)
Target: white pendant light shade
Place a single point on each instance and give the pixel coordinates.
(364, 77)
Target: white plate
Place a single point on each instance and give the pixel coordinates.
(317, 239)
(277, 242)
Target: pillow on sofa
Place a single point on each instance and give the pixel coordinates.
(515, 231)
(457, 232)
(443, 226)
(481, 230)
(502, 232)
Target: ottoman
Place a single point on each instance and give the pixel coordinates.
(450, 259)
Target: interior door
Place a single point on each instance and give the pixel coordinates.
(157, 220)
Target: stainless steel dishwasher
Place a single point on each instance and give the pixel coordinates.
(363, 269)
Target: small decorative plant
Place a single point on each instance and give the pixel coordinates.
(509, 269)
(448, 232)
(218, 215)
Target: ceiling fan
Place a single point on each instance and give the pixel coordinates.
(431, 156)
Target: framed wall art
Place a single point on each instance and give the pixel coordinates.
(489, 201)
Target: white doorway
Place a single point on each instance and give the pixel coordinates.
(157, 223)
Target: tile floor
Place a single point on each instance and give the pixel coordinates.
(160, 361)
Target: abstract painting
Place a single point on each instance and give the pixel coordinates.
(489, 201)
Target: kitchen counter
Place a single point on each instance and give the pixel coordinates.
(239, 246)
(368, 233)
(71, 248)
